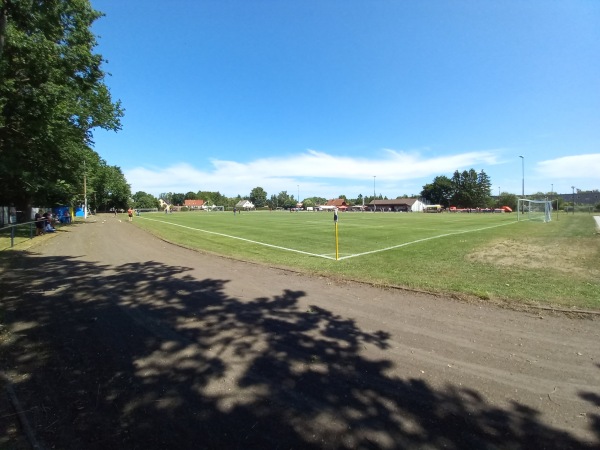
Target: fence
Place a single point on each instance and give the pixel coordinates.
(14, 234)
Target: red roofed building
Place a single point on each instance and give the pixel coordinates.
(194, 204)
(339, 203)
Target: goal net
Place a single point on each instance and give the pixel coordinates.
(540, 210)
(217, 208)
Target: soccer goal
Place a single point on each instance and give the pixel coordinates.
(540, 210)
(218, 208)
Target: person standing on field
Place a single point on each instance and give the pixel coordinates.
(130, 214)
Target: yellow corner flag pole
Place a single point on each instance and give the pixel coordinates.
(335, 220)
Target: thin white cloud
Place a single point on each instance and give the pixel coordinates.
(568, 167)
(315, 170)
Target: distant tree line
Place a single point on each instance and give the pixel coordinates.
(258, 196)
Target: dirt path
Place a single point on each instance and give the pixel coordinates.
(115, 339)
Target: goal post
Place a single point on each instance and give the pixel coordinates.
(536, 210)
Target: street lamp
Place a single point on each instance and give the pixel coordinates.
(523, 176)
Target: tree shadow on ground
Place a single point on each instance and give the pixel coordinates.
(145, 356)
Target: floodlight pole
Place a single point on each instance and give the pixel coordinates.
(374, 205)
(523, 176)
(573, 187)
(374, 187)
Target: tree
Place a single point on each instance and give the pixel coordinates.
(467, 189)
(178, 199)
(308, 203)
(52, 96)
(258, 196)
(191, 196)
(508, 199)
(471, 190)
(283, 200)
(110, 188)
(483, 190)
(144, 200)
(439, 192)
(316, 200)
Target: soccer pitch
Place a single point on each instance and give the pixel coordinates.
(485, 255)
(313, 234)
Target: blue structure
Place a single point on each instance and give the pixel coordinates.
(59, 213)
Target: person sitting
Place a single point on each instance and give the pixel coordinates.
(47, 222)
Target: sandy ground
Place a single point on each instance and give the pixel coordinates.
(114, 339)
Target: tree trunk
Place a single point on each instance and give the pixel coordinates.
(3, 21)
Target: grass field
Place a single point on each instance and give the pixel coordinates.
(489, 256)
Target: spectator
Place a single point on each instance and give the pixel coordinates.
(39, 224)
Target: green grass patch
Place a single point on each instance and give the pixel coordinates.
(13, 235)
(488, 256)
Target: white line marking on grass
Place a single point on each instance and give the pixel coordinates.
(423, 240)
(243, 239)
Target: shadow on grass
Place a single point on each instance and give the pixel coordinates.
(145, 356)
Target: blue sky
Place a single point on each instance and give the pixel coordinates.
(324, 98)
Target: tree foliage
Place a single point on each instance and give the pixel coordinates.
(109, 188)
(282, 200)
(466, 189)
(52, 96)
(144, 200)
(507, 199)
(439, 192)
(178, 198)
(258, 196)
